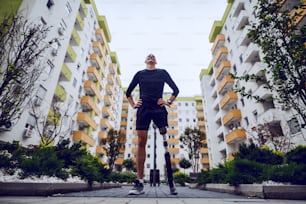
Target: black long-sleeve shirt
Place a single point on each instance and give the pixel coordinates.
(151, 85)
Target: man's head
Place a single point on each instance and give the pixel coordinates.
(150, 59)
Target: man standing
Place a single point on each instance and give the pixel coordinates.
(150, 107)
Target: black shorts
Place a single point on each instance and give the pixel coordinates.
(145, 115)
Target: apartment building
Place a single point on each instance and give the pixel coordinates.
(230, 118)
(80, 90)
(184, 112)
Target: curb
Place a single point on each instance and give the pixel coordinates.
(48, 189)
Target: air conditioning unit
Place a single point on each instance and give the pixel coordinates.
(27, 132)
(54, 52)
(61, 30)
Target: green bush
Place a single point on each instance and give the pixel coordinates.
(121, 177)
(289, 173)
(297, 155)
(204, 178)
(181, 178)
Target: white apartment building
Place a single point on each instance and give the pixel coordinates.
(81, 86)
(231, 119)
(183, 113)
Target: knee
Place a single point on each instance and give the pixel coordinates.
(163, 130)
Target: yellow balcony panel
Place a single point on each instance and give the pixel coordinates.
(97, 47)
(123, 123)
(94, 75)
(110, 79)
(123, 132)
(119, 161)
(204, 141)
(60, 93)
(96, 61)
(135, 131)
(173, 123)
(229, 99)
(83, 9)
(172, 115)
(121, 150)
(221, 55)
(124, 115)
(125, 107)
(70, 54)
(175, 160)
(84, 119)
(135, 140)
(174, 150)
(107, 100)
(75, 38)
(301, 12)
(235, 136)
(201, 123)
(203, 150)
(232, 116)
(223, 69)
(205, 161)
(226, 83)
(88, 104)
(103, 24)
(172, 132)
(134, 150)
(105, 111)
(200, 115)
(112, 67)
(54, 117)
(230, 157)
(173, 107)
(109, 89)
(102, 135)
(100, 150)
(173, 141)
(92, 90)
(105, 123)
(83, 137)
(65, 73)
(199, 107)
(100, 36)
(220, 39)
(79, 23)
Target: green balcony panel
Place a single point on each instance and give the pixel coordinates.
(84, 8)
(66, 74)
(103, 24)
(71, 55)
(54, 117)
(76, 36)
(9, 7)
(60, 93)
(80, 21)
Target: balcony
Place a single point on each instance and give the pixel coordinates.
(112, 68)
(83, 9)
(251, 55)
(223, 69)
(94, 75)
(228, 100)
(219, 42)
(242, 20)
(262, 92)
(123, 123)
(173, 123)
(92, 90)
(110, 79)
(100, 36)
(203, 150)
(174, 150)
(172, 132)
(105, 124)
(124, 115)
(220, 56)
(175, 160)
(54, 117)
(301, 17)
(102, 135)
(84, 120)
(238, 8)
(200, 115)
(172, 115)
(106, 112)
(107, 100)
(75, 38)
(244, 40)
(134, 150)
(205, 160)
(60, 93)
(201, 123)
(232, 116)
(70, 54)
(173, 141)
(199, 107)
(97, 48)
(88, 104)
(65, 74)
(96, 61)
(119, 161)
(135, 140)
(235, 136)
(79, 23)
(100, 150)
(226, 84)
(83, 137)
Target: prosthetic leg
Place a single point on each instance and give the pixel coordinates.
(163, 132)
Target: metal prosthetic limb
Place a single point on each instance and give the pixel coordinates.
(163, 132)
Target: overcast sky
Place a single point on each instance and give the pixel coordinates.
(175, 31)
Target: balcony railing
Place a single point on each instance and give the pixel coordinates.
(235, 136)
(83, 137)
(231, 116)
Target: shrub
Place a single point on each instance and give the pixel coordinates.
(181, 178)
(203, 178)
(297, 155)
(121, 177)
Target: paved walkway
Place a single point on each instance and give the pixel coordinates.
(153, 195)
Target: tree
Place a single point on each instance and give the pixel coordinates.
(282, 42)
(22, 45)
(185, 164)
(112, 146)
(192, 140)
(129, 164)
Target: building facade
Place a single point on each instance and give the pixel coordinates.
(230, 118)
(79, 95)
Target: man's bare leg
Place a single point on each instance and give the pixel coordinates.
(141, 152)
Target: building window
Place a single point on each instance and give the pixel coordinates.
(294, 126)
(68, 7)
(246, 121)
(50, 3)
(41, 92)
(74, 82)
(255, 114)
(242, 102)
